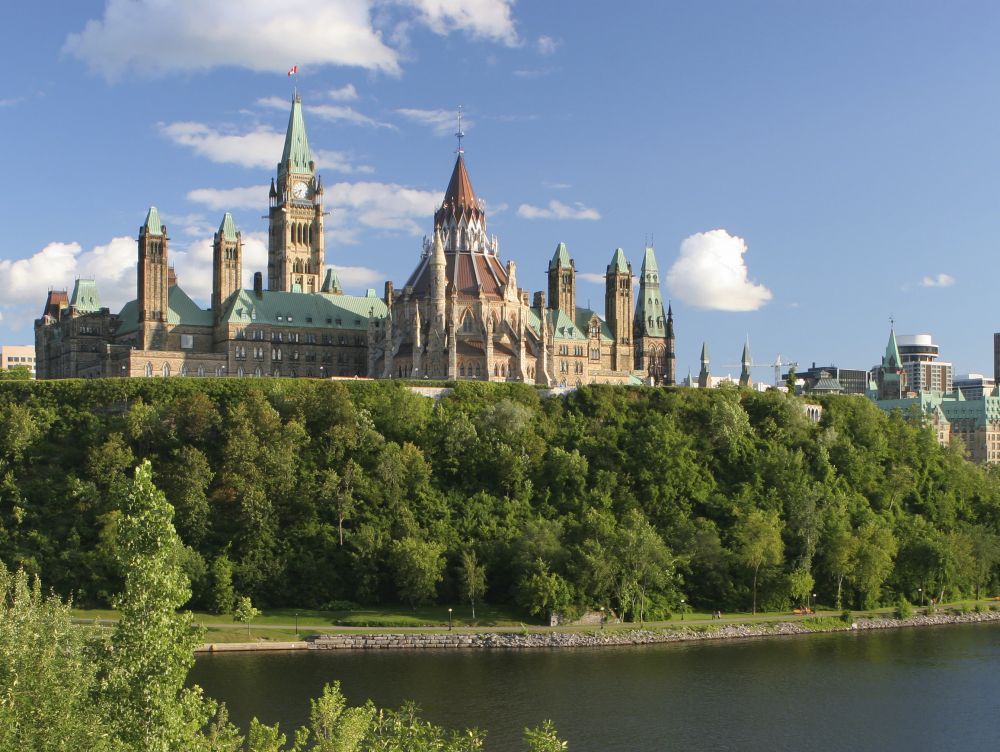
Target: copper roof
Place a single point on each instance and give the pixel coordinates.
(56, 300)
(460, 194)
(468, 271)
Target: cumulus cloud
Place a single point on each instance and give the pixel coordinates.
(596, 277)
(442, 122)
(260, 147)
(154, 37)
(346, 93)
(557, 210)
(711, 273)
(358, 276)
(938, 280)
(227, 199)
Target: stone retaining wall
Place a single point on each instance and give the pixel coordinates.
(599, 638)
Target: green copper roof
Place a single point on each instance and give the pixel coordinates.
(228, 227)
(583, 316)
(618, 263)
(85, 297)
(153, 225)
(892, 359)
(180, 310)
(296, 144)
(704, 352)
(649, 319)
(560, 258)
(745, 360)
(331, 283)
(649, 262)
(316, 310)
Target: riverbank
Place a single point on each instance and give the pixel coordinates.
(615, 636)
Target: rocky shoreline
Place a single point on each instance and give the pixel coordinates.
(618, 636)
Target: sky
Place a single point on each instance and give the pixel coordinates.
(805, 171)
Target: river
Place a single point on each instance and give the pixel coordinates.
(934, 688)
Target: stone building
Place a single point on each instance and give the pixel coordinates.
(460, 314)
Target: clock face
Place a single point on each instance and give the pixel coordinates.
(299, 190)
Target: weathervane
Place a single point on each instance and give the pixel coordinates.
(460, 134)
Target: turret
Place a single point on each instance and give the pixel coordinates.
(227, 263)
(618, 309)
(439, 281)
(152, 282)
(562, 282)
(704, 377)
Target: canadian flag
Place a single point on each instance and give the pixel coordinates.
(293, 70)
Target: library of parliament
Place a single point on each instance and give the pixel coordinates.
(459, 315)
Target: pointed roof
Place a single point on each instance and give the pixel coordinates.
(649, 262)
(331, 282)
(296, 144)
(153, 225)
(560, 258)
(227, 230)
(892, 359)
(704, 352)
(459, 194)
(670, 320)
(619, 264)
(85, 297)
(745, 360)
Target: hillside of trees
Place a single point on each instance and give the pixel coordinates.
(315, 493)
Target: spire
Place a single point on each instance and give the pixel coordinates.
(704, 354)
(649, 262)
(619, 264)
(460, 194)
(892, 359)
(649, 304)
(153, 225)
(670, 321)
(296, 144)
(745, 365)
(437, 251)
(560, 258)
(704, 376)
(745, 360)
(227, 230)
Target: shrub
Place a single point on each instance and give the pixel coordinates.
(846, 617)
(904, 609)
(931, 609)
(979, 608)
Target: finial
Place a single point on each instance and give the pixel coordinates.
(892, 322)
(460, 134)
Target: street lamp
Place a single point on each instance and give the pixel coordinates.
(814, 603)
(921, 591)
(682, 609)
(296, 623)
(602, 617)
(449, 619)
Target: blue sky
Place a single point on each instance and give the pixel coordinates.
(806, 170)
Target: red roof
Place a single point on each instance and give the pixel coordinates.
(468, 271)
(460, 194)
(57, 300)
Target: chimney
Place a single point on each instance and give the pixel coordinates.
(258, 285)
(171, 277)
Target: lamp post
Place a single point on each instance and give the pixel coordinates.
(814, 603)
(296, 623)
(682, 609)
(921, 591)
(602, 617)
(449, 619)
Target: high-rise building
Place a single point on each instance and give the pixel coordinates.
(924, 372)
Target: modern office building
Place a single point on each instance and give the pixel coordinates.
(974, 385)
(12, 356)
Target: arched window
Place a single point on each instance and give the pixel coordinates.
(256, 372)
(184, 369)
(201, 370)
(149, 370)
(478, 372)
(240, 372)
(461, 370)
(166, 370)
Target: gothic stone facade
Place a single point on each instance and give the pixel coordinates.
(460, 315)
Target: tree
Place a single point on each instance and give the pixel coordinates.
(473, 576)
(642, 562)
(418, 567)
(800, 585)
(222, 596)
(16, 373)
(152, 647)
(758, 543)
(544, 738)
(871, 562)
(543, 593)
(245, 612)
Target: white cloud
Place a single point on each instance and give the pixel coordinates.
(331, 112)
(596, 277)
(346, 93)
(384, 206)
(251, 197)
(358, 276)
(938, 280)
(442, 122)
(711, 273)
(156, 37)
(260, 147)
(546, 45)
(556, 186)
(488, 19)
(557, 210)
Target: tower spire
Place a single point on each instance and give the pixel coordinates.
(460, 134)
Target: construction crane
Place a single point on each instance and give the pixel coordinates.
(776, 365)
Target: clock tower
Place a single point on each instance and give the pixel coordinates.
(295, 247)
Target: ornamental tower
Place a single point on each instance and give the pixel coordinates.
(153, 283)
(704, 375)
(670, 357)
(295, 255)
(618, 310)
(227, 263)
(649, 327)
(562, 282)
(745, 364)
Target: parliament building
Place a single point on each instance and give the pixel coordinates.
(459, 315)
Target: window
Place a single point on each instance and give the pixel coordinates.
(201, 370)
(149, 370)
(166, 370)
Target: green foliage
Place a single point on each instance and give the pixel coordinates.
(904, 609)
(544, 738)
(299, 493)
(16, 373)
(473, 578)
(245, 612)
